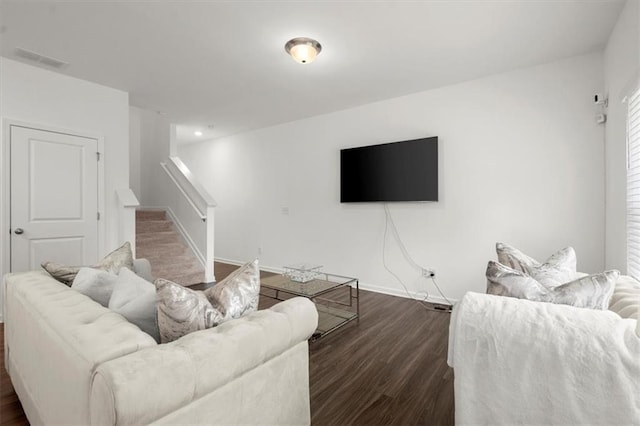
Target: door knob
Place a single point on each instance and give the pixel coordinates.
(18, 231)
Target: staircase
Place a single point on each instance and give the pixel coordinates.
(158, 240)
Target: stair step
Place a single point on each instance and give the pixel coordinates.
(182, 263)
(151, 238)
(148, 226)
(173, 257)
(151, 214)
(161, 244)
(185, 279)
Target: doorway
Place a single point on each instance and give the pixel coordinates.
(53, 197)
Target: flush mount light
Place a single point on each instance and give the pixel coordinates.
(197, 133)
(303, 50)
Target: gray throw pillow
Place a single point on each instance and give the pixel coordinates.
(182, 310)
(593, 291)
(134, 298)
(95, 283)
(558, 269)
(120, 257)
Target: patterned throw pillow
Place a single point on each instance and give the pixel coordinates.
(119, 258)
(592, 291)
(556, 270)
(182, 310)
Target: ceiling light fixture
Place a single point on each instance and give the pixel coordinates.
(303, 50)
(197, 133)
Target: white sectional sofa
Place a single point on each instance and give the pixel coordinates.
(532, 363)
(74, 362)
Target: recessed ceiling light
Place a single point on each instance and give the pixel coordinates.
(197, 133)
(303, 50)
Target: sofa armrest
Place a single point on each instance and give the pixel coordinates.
(150, 384)
(522, 362)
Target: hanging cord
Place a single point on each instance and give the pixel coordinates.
(405, 253)
(384, 263)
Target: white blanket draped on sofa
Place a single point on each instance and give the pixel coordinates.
(522, 362)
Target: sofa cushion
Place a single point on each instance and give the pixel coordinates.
(182, 310)
(206, 362)
(134, 298)
(558, 269)
(95, 283)
(593, 291)
(120, 257)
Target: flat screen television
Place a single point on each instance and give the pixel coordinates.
(397, 171)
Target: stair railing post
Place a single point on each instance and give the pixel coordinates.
(210, 258)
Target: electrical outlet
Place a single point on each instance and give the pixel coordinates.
(428, 272)
(259, 250)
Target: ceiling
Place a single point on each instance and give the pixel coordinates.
(223, 63)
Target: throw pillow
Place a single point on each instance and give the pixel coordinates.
(121, 257)
(592, 291)
(182, 310)
(237, 294)
(134, 298)
(96, 284)
(559, 268)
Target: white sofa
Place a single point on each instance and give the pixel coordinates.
(74, 362)
(522, 362)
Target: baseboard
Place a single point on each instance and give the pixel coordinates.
(437, 300)
(440, 303)
(240, 263)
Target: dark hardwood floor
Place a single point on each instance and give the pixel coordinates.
(387, 369)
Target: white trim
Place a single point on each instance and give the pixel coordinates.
(362, 285)
(5, 191)
(633, 184)
(195, 208)
(401, 293)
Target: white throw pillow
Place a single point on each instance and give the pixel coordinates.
(558, 269)
(134, 298)
(95, 283)
(593, 291)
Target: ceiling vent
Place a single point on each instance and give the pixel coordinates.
(41, 59)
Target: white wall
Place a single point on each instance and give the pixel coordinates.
(152, 132)
(621, 69)
(42, 97)
(521, 161)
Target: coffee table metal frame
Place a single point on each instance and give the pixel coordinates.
(330, 318)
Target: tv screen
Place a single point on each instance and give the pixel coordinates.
(398, 171)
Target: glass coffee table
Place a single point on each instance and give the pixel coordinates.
(337, 298)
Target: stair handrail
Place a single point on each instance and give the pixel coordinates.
(198, 197)
(202, 203)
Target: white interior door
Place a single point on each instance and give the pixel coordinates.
(54, 198)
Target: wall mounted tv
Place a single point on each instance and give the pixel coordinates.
(398, 171)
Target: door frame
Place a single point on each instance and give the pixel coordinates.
(5, 187)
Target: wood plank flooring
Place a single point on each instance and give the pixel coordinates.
(387, 369)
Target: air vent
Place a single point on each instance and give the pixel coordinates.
(41, 59)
